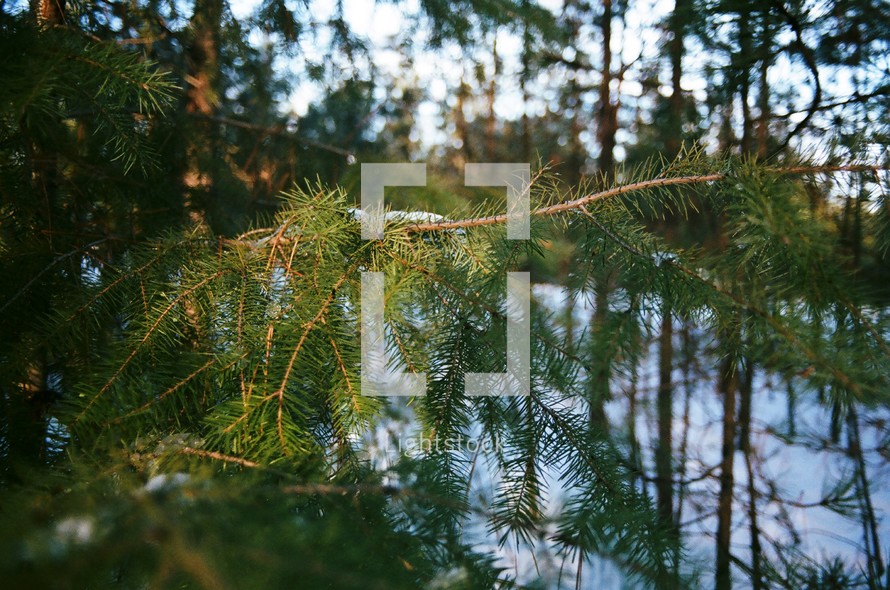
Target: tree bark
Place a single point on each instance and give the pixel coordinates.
(875, 560)
(728, 386)
(601, 365)
(745, 394)
(763, 107)
(677, 25)
(202, 58)
(461, 126)
(491, 93)
(49, 12)
(607, 122)
(743, 67)
(664, 403)
(523, 87)
(201, 102)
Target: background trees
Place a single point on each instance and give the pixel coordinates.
(180, 374)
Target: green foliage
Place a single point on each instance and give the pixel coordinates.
(182, 403)
(248, 345)
(63, 78)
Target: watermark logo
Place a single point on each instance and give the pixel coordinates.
(378, 377)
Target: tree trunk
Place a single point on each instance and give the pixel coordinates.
(523, 86)
(601, 363)
(743, 67)
(766, 51)
(675, 50)
(491, 93)
(686, 367)
(201, 102)
(728, 386)
(636, 456)
(202, 58)
(745, 394)
(461, 126)
(607, 122)
(606, 129)
(49, 12)
(664, 403)
(875, 561)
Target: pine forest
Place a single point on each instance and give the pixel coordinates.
(469, 294)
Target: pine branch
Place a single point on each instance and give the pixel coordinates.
(319, 316)
(630, 188)
(144, 339)
(46, 269)
(845, 380)
(219, 457)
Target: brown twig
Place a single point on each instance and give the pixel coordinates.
(625, 189)
(218, 457)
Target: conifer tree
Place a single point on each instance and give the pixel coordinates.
(183, 402)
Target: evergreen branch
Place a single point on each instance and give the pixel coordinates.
(115, 283)
(175, 387)
(124, 76)
(319, 316)
(218, 457)
(145, 338)
(433, 278)
(342, 367)
(626, 189)
(855, 98)
(276, 239)
(280, 129)
(46, 269)
(406, 356)
(568, 205)
(382, 489)
(845, 380)
(811, 354)
(582, 447)
(857, 313)
(333, 489)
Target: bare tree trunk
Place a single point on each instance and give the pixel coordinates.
(202, 58)
(665, 400)
(461, 126)
(677, 25)
(607, 122)
(49, 12)
(201, 101)
(636, 456)
(875, 561)
(524, 77)
(664, 403)
(577, 155)
(688, 353)
(664, 452)
(606, 137)
(743, 66)
(726, 136)
(763, 107)
(491, 93)
(601, 363)
(745, 394)
(568, 318)
(728, 386)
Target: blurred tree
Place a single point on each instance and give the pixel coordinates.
(180, 376)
